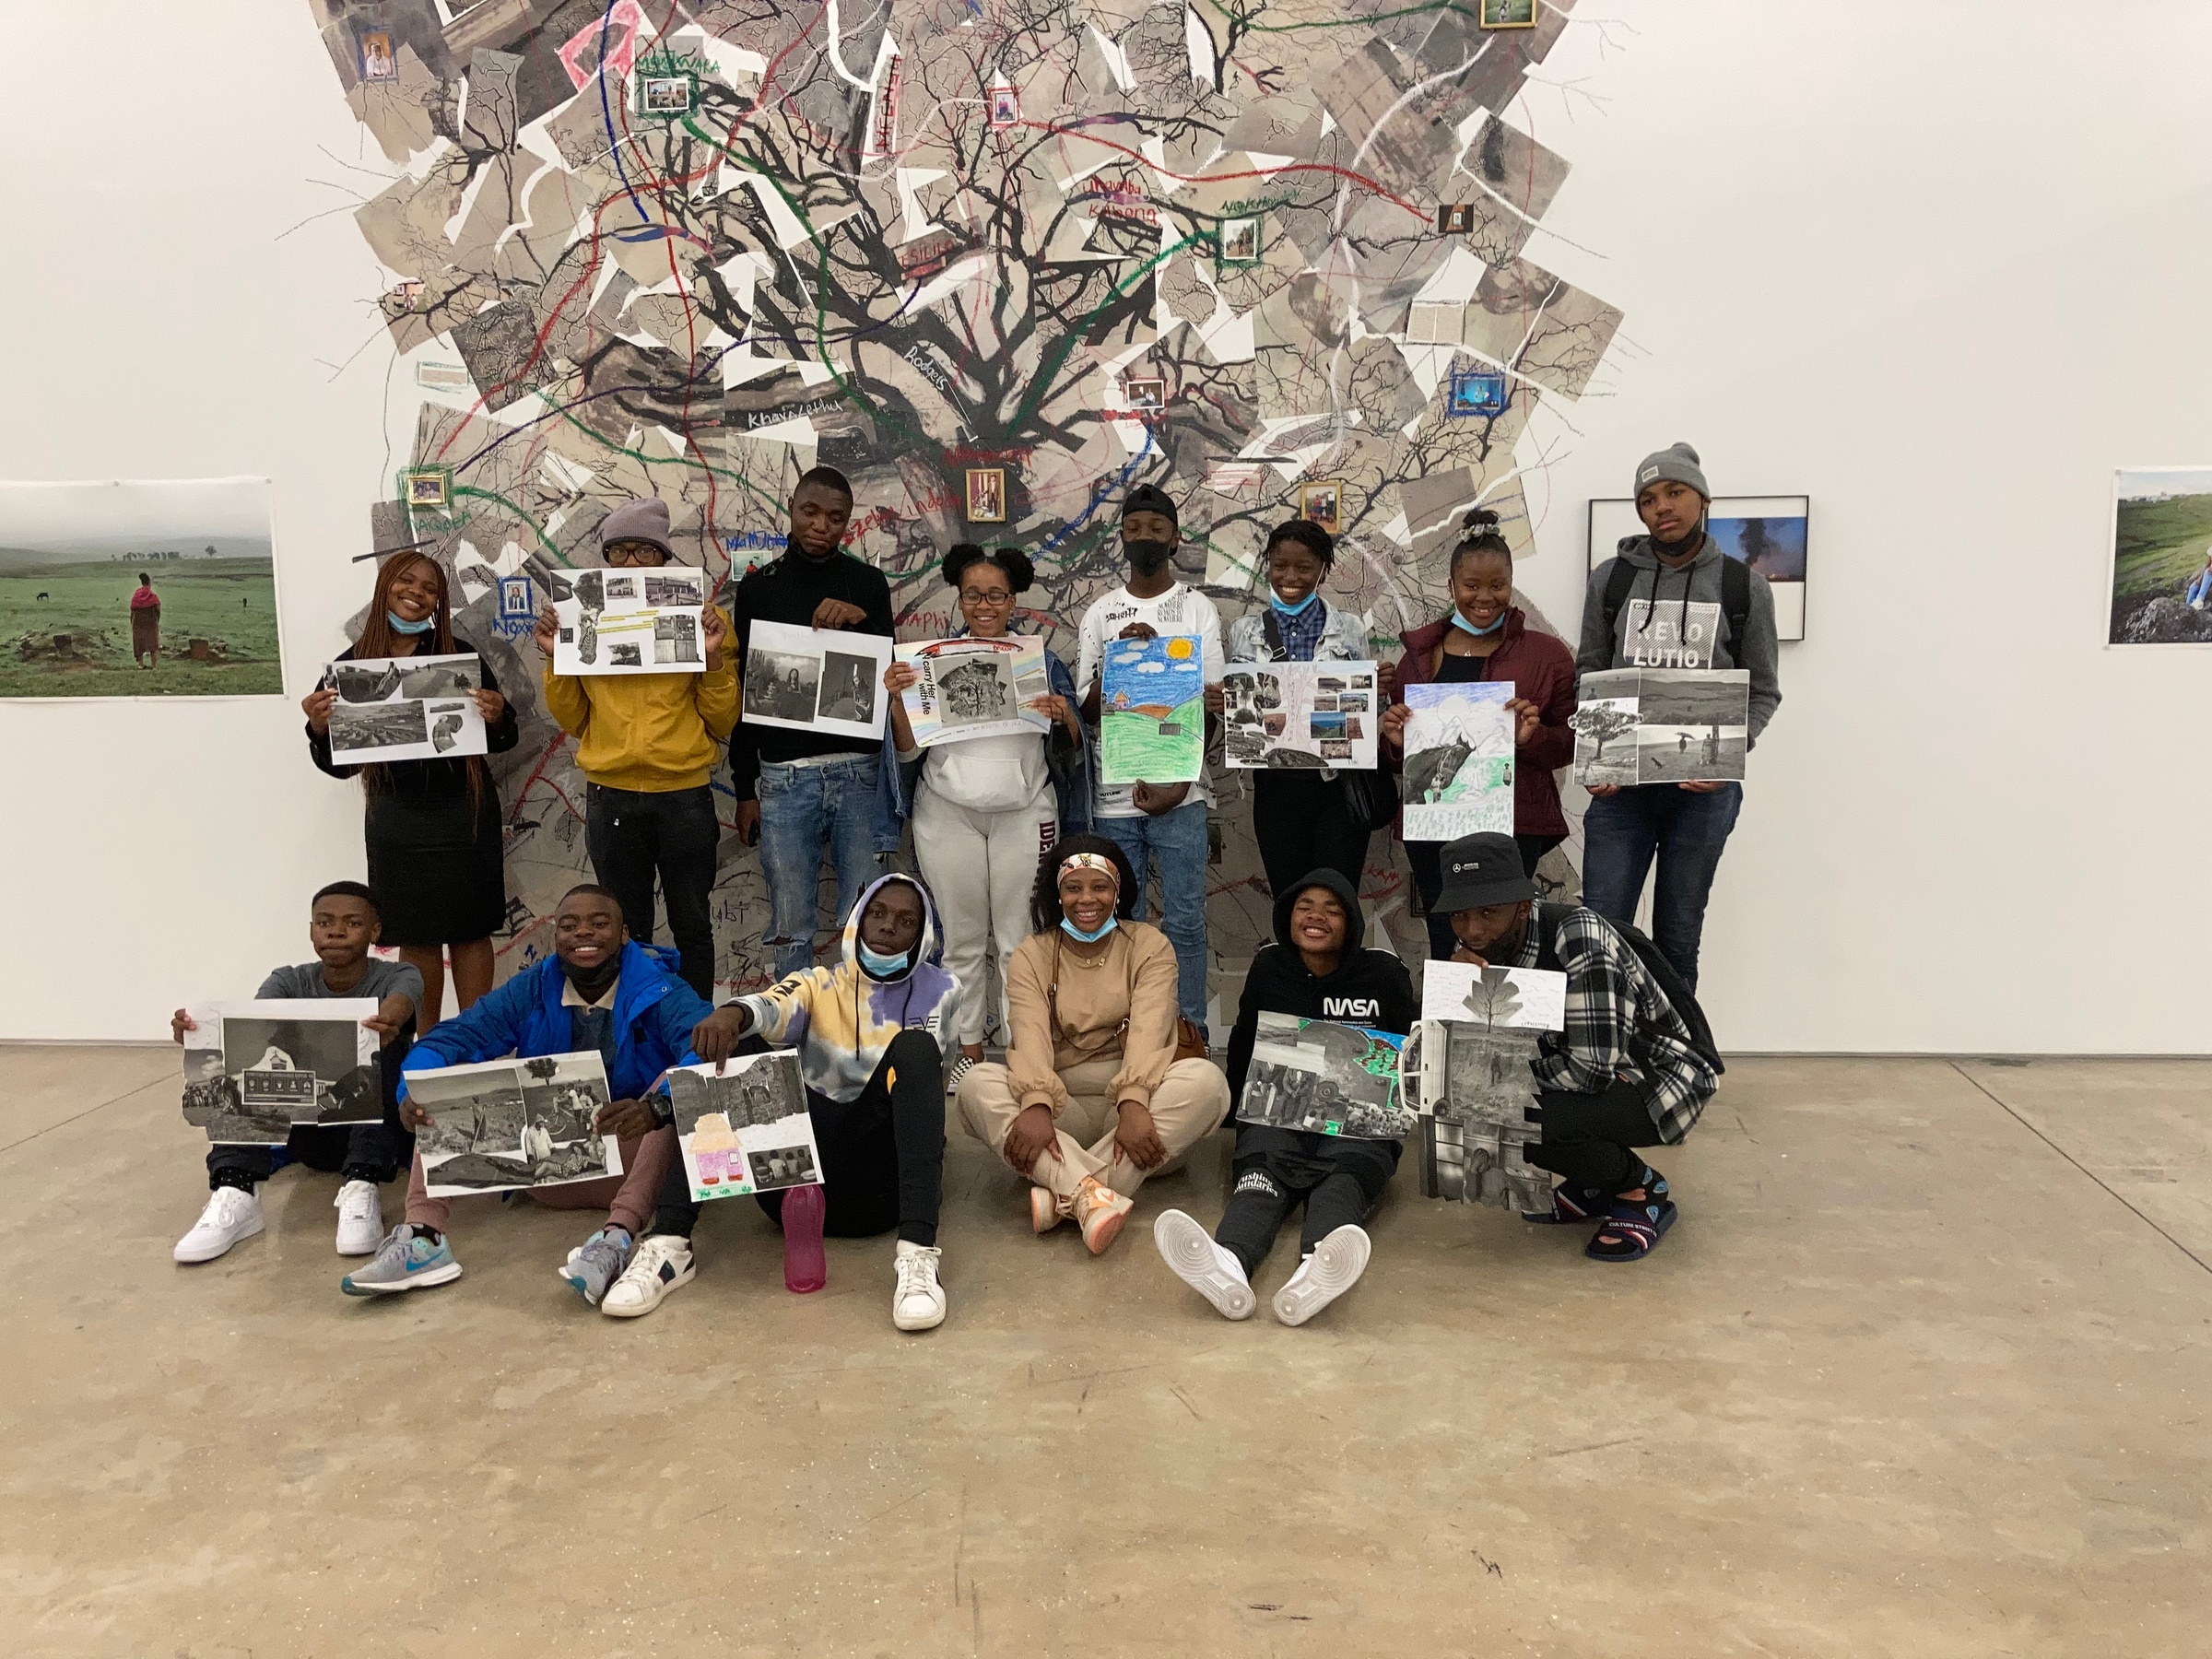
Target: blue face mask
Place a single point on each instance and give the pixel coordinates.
(422, 626)
(881, 966)
(1461, 623)
(1073, 932)
(1299, 610)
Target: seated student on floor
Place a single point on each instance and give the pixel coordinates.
(1316, 968)
(1633, 1068)
(1091, 1098)
(601, 989)
(870, 1034)
(341, 924)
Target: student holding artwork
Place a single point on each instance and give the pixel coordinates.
(646, 745)
(432, 827)
(1303, 818)
(1317, 967)
(1487, 636)
(601, 989)
(1157, 823)
(985, 809)
(870, 1034)
(343, 922)
(1671, 599)
(1633, 1068)
(799, 792)
(1095, 1095)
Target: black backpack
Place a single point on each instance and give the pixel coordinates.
(1736, 601)
(1546, 918)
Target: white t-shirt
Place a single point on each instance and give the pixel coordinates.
(1180, 610)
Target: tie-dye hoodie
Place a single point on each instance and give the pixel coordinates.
(841, 1020)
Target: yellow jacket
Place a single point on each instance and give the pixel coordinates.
(651, 733)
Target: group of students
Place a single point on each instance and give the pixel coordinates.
(1022, 852)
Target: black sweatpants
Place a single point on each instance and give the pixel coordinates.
(634, 836)
(1427, 859)
(883, 1153)
(1338, 1179)
(1299, 821)
(376, 1152)
(1587, 1138)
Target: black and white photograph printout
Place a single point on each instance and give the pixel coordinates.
(1661, 725)
(1299, 715)
(750, 1107)
(1478, 1033)
(1325, 1079)
(975, 688)
(821, 680)
(507, 1124)
(254, 1069)
(630, 621)
(406, 708)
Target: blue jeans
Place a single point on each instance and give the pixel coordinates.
(1688, 830)
(1177, 839)
(803, 811)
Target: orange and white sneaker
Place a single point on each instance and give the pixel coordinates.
(1099, 1212)
(1047, 1209)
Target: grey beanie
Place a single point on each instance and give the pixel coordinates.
(1677, 464)
(645, 520)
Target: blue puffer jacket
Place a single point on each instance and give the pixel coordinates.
(654, 1014)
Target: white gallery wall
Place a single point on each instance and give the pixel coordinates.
(1941, 270)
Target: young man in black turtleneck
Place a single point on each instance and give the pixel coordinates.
(1317, 968)
(798, 793)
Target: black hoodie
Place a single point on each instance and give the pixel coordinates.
(1370, 988)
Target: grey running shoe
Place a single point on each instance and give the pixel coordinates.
(406, 1262)
(597, 1262)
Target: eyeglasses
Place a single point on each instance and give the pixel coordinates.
(630, 552)
(995, 596)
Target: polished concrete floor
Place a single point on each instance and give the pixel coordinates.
(1923, 1370)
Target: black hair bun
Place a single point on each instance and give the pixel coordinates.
(1479, 518)
(962, 555)
(1019, 573)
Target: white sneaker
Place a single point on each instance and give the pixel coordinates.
(918, 1301)
(660, 1265)
(1333, 1268)
(360, 1218)
(1204, 1265)
(233, 1214)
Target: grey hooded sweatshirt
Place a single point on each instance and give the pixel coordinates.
(1698, 582)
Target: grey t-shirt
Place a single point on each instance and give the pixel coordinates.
(380, 979)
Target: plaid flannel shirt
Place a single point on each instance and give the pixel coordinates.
(1620, 1025)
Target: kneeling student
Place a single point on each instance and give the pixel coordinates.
(870, 1034)
(1316, 968)
(601, 989)
(1633, 1068)
(343, 922)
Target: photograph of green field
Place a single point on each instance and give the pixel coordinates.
(138, 590)
(2161, 547)
(1152, 720)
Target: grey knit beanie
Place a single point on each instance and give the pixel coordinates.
(645, 520)
(1677, 464)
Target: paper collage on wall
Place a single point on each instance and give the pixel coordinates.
(647, 620)
(1661, 725)
(1324, 1078)
(406, 708)
(1301, 714)
(744, 1126)
(1152, 710)
(138, 590)
(254, 1069)
(815, 679)
(1471, 1053)
(628, 251)
(507, 1124)
(972, 688)
(1458, 778)
(1766, 534)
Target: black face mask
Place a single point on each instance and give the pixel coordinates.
(591, 984)
(1147, 558)
(1675, 550)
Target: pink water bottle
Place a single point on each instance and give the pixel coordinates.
(805, 1268)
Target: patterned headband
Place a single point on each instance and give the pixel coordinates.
(1091, 861)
